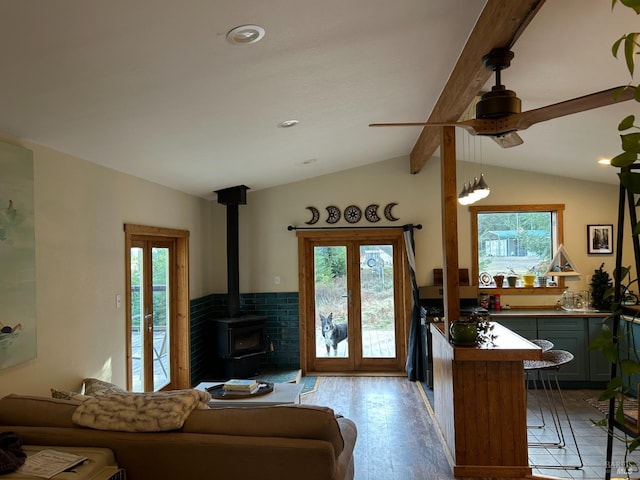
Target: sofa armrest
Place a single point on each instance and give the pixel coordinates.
(36, 411)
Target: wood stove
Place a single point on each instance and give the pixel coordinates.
(240, 339)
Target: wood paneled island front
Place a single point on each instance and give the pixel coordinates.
(480, 403)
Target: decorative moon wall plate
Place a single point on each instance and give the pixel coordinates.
(334, 214)
(388, 214)
(371, 213)
(315, 215)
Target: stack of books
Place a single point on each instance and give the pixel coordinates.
(237, 386)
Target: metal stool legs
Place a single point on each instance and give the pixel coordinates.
(547, 370)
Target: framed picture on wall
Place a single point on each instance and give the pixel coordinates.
(600, 239)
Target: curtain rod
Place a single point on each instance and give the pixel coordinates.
(293, 227)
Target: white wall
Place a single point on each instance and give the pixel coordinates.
(80, 209)
(269, 250)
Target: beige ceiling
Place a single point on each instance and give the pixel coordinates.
(153, 89)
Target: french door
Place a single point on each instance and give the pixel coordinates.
(156, 296)
(352, 302)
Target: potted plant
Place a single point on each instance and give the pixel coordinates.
(615, 343)
(600, 283)
(512, 277)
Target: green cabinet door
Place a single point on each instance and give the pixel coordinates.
(599, 366)
(567, 333)
(525, 326)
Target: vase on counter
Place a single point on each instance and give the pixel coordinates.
(512, 281)
(464, 333)
(528, 280)
(499, 279)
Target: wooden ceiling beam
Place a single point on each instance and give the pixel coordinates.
(500, 24)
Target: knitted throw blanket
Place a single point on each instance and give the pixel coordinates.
(140, 412)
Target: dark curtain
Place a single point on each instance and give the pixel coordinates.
(415, 357)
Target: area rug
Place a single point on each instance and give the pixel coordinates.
(309, 384)
(630, 407)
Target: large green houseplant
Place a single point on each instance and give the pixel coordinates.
(618, 345)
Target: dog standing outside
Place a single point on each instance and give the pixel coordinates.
(333, 333)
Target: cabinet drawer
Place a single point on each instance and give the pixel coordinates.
(561, 323)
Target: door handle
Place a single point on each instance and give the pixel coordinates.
(148, 318)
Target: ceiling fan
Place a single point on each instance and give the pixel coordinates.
(498, 112)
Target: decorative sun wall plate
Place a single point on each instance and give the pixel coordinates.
(352, 214)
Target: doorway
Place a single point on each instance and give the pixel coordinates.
(157, 309)
(353, 301)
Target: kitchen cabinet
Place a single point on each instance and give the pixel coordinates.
(589, 369)
(567, 334)
(525, 327)
(599, 366)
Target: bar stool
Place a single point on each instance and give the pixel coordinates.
(531, 371)
(547, 371)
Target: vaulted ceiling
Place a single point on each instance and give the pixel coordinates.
(152, 87)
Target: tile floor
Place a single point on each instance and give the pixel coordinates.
(591, 440)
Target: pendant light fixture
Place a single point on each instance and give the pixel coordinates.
(479, 188)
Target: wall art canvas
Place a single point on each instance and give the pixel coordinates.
(18, 341)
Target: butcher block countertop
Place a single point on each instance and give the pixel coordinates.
(507, 346)
(520, 313)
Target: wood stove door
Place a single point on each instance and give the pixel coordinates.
(355, 297)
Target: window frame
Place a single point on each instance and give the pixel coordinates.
(557, 211)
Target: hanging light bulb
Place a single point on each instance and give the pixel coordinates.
(473, 194)
(482, 188)
(463, 198)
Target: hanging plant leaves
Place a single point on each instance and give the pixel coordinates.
(623, 159)
(627, 123)
(631, 142)
(630, 181)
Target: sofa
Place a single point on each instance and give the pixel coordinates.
(275, 442)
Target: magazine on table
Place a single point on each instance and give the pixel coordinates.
(48, 463)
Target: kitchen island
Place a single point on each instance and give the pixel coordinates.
(480, 403)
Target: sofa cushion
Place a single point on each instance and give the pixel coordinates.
(67, 395)
(287, 421)
(94, 386)
(36, 411)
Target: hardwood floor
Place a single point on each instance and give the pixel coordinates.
(397, 439)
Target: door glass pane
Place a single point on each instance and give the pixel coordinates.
(161, 333)
(137, 330)
(377, 301)
(331, 297)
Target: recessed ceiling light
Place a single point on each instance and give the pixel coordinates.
(604, 161)
(245, 34)
(310, 161)
(288, 124)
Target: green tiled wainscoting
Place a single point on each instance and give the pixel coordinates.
(281, 310)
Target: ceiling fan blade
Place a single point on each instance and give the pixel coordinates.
(581, 104)
(415, 124)
(468, 125)
(508, 140)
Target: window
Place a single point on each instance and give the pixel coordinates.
(516, 241)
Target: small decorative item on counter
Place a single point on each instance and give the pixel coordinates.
(499, 279)
(484, 300)
(512, 281)
(528, 279)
